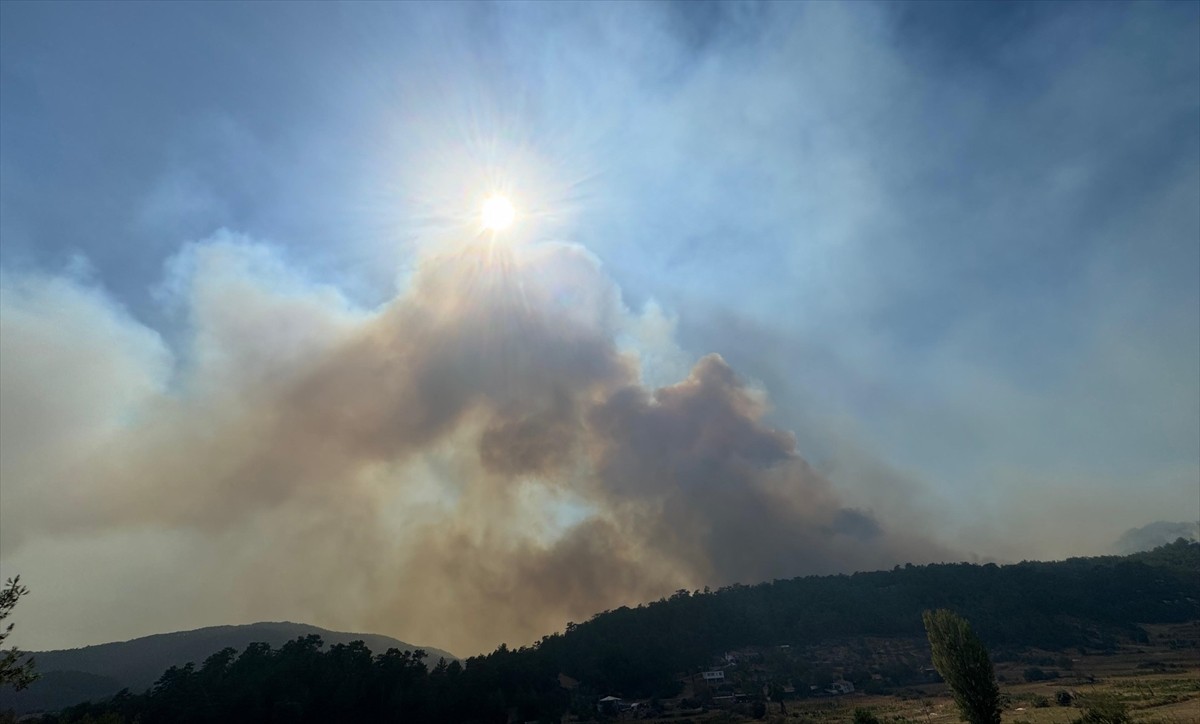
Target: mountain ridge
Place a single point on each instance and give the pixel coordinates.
(136, 663)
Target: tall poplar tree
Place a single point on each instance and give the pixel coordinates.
(963, 662)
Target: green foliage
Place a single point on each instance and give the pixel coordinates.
(1104, 709)
(13, 671)
(863, 715)
(1063, 698)
(963, 662)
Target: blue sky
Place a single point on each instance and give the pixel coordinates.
(956, 247)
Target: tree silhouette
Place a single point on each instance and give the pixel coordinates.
(963, 662)
(13, 672)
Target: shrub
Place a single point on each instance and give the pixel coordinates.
(863, 715)
(1104, 709)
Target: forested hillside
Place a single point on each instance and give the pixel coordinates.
(73, 675)
(1077, 602)
(1086, 603)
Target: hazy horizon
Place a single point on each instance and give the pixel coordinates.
(790, 289)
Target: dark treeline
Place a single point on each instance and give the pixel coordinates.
(301, 682)
(1078, 602)
(639, 652)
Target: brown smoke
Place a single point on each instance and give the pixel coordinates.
(476, 462)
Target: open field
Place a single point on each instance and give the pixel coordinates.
(1158, 680)
(1165, 698)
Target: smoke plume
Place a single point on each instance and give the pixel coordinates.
(476, 461)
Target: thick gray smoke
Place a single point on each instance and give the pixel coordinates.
(1155, 534)
(478, 461)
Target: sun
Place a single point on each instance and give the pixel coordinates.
(498, 213)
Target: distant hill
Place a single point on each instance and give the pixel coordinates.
(92, 672)
(56, 689)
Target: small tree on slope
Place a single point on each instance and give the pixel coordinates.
(963, 662)
(13, 671)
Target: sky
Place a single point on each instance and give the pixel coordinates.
(793, 288)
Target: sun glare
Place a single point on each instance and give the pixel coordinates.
(498, 213)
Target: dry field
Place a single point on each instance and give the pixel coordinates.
(1159, 681)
